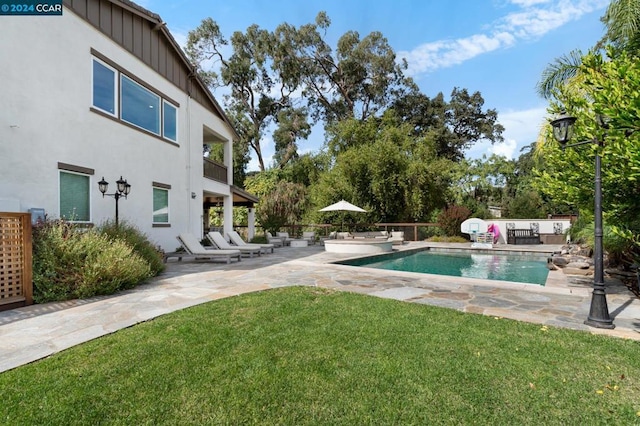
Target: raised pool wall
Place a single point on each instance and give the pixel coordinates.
(551, 230)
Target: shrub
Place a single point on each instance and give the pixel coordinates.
(439, 239)
(451, 218)
(137, 240)
(259, 239)
(618, 248)
(71, 262)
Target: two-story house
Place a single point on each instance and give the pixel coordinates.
(105, 91)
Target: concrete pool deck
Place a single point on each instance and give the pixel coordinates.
(34, 332)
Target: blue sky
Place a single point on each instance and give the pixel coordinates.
(496, 47)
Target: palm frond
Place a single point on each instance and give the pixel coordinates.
(559, 73)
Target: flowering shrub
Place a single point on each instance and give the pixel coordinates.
(70, 262)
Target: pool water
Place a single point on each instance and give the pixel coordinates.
(529, 268)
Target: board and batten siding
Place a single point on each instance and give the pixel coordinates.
(143, 34)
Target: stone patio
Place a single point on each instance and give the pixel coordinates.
(37, 331)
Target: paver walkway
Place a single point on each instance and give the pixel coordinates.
(30, 333)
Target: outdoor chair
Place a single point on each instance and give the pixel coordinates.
(286, 240)
(238, 241)
(397, 237)
(218, 240)
(332, 236)
(277, 242)
(194, 249)
(309, 236)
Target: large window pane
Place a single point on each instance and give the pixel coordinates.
(74, 197)
(139, 106)
(104, 87)
(170, 122)
(160, 205)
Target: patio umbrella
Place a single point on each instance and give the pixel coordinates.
(342, 205)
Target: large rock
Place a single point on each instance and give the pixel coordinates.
(577, 271)
(579, 265)
(559, 261)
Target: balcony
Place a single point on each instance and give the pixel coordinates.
(214, 170)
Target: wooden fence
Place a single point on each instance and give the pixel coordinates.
(16, 284)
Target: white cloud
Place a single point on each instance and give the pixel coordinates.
(505, 149)
(523, 126)
(528, 3)
(534, 19)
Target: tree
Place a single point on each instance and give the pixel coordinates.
(382, 167)
(358, 80)
(292, 125)
(282, 206)
(454, 126)
(609, 89)
(622, 20)
(259, 92)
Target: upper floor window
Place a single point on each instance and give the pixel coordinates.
(170, 121)
(133, 102)
(139, 106)
(104, 87)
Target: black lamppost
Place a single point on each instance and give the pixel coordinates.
(123, 189)
(599, 312)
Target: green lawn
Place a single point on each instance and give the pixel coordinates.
(311, 356)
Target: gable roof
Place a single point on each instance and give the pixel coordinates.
(145, 35)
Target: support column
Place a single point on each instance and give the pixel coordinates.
(251, 223)
(228, 215)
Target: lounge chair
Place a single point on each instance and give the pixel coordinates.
(218, 240)
(309, 236)
(277, 242)
(286, 239)
(238, 241)
(194, 249)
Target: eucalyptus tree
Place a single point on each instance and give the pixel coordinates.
(280, 77)
(358, 79)
(259, 92)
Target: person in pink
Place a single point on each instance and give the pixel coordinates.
(495, 230)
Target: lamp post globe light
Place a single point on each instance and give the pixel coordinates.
(598, 312)
(123, 188)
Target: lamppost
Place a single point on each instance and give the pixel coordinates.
(599, 312)
(122, 190)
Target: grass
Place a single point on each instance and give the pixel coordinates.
(299, 356)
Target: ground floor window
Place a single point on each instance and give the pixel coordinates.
(74, 197)
(160, 205)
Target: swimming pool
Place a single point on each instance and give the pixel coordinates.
(528, 268)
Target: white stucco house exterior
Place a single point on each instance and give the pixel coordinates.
(105, 91)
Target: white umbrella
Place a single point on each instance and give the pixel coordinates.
(342, 205)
